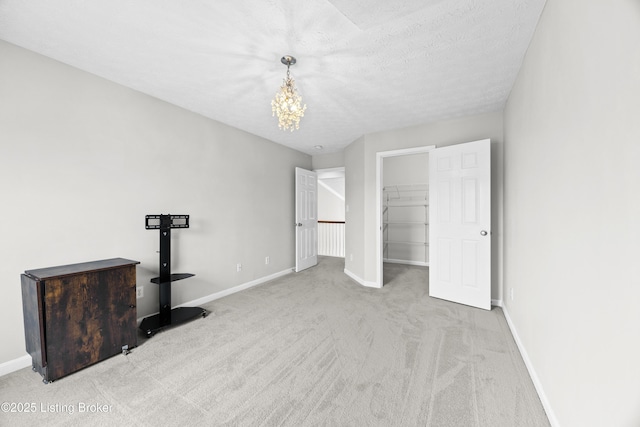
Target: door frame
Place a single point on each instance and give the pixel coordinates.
(380, 156)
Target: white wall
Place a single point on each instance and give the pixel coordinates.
(83, 160)
(572, 210)
(360, 164)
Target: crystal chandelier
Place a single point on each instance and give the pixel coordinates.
(288, 104)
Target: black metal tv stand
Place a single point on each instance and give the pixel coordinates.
(168, 317)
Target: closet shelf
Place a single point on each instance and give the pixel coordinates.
(406, 188)
(397, 242)
(405, 223)
(406, 203)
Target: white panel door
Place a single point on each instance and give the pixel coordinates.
(460, 223)
(306, 219)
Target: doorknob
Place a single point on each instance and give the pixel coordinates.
(299, 224)
(483, 233)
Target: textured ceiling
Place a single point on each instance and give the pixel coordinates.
(363, 66)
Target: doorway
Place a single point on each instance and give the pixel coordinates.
(331, 212)
(402, 208)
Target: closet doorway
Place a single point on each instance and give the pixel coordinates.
(402, 193)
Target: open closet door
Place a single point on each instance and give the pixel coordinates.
(459, 223)
(306, 219)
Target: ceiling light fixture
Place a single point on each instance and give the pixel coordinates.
(288, 103)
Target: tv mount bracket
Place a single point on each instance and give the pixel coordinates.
(168, 317)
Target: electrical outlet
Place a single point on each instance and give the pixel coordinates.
(350, 257)
(139, 292)
(238, 268)
(266, 260)
(511, 294)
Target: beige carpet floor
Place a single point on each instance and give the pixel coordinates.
(311, 348)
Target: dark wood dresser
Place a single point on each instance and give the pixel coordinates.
(79, 314)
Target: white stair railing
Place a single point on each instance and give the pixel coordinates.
(331, 238)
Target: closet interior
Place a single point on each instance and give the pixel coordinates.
(405, 210)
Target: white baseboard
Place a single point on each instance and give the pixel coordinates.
(15, 364)
(226, 292)
(360, 280)
(238, 288)
(532, 372)
(496, 302)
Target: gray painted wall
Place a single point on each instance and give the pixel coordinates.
(328, 161)
(354, 206)
(572, 210)
(83, 160)
(407, 169)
